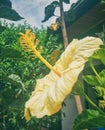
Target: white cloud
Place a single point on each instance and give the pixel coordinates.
(33, 11)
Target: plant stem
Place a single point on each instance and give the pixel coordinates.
(94, 70)
(63, 25)
(92, 103)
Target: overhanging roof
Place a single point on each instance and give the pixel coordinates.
(78, 9)
(87, 15)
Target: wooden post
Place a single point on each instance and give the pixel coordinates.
(63, 26)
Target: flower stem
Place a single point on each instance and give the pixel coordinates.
(44, 61)
(47, 64)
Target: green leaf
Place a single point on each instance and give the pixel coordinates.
(100, 91)
(89, 119)
(102, 73)
(8, 13)
(100, 55)
(50, 9)
(78, 89)
(5, 3)
(66, 1)
(16, 79)
(102, 77)
(92, 80)
(10, 53)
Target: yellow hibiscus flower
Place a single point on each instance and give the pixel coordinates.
(51, 90)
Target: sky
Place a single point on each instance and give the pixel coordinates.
(33, 11)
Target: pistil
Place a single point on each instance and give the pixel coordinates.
(27, 42)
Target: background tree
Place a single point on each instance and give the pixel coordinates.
(18, 75)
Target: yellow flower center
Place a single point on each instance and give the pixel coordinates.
(27, 42)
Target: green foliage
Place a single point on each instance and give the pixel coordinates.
(10, 53)
(92, 80)
(50, 9)
(100, 55)
(7, 12)
(18, 77)
(96, 80)
(89, 119)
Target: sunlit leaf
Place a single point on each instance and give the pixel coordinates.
(16, 79)
(100, 54)
(13, 79)
(91, 79)
(102, 73)
(102, 77)
(100, 91)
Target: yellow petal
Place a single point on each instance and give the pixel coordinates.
(27, 114)
(51, 90)
(54, 26)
